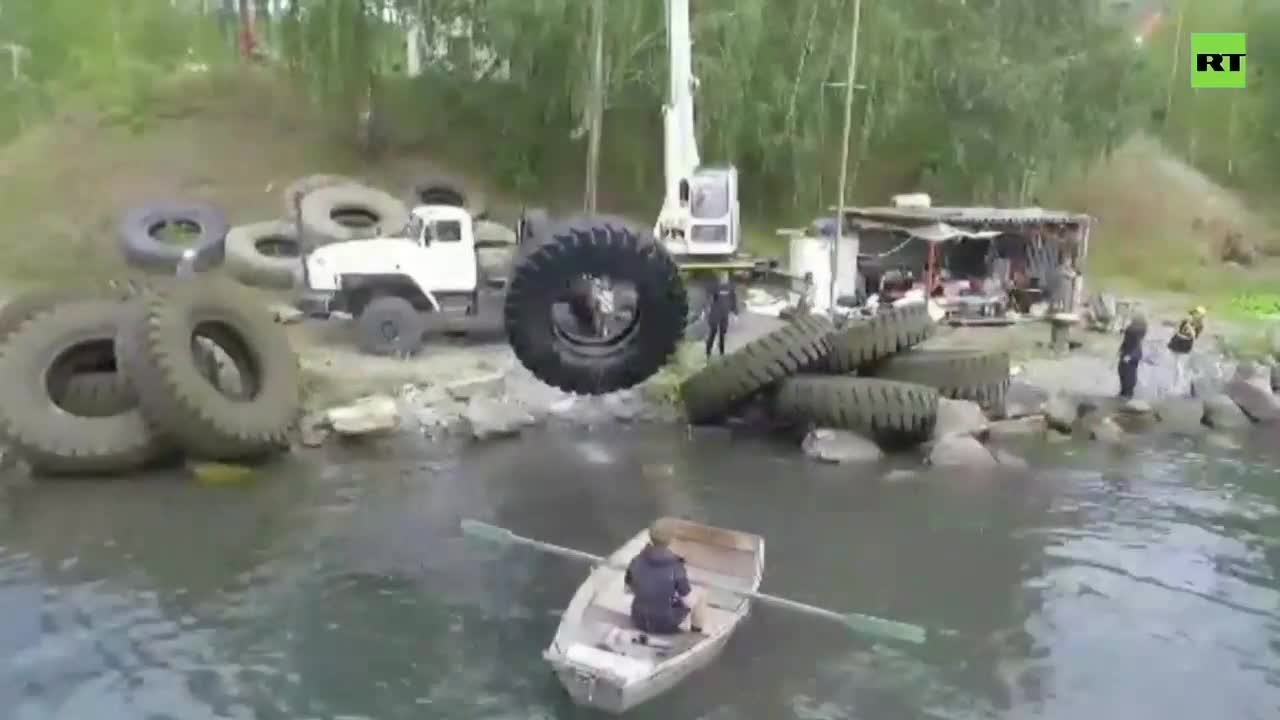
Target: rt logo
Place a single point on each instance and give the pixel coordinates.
(1219, 60)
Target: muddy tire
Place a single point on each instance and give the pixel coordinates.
(305, 185)
(341, 213)
(390, 326)
(265, 255)
(892, 413)
(727, 382)
(962, 374)
(23, 307)
(864, 341)
(52, 439)
(96, 394)
(155, 351)
(139, 235)
(440, 190)
(540, 281)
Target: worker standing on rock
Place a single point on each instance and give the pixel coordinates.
(1131, 355)
(1184, 338)
(724, 302)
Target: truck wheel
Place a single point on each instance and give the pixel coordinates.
(154, 236)
(717, 389)
(963, 374)
(892, 413)
(265, 254)
(341, 213)
(865, 341)
(390, 325)
(96, 394)
(542, 279)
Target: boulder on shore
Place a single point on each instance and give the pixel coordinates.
(962, 451)
(1184, 416)
(1021, 427)
(490, 418)
(1023, 399)
(840, 446)
(1222, 413)
(1252, 392)
(959, 417)
(1061, 412)
(371, 415)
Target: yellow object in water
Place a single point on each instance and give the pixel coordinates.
(213, 473)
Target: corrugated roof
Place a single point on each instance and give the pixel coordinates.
(966, 215)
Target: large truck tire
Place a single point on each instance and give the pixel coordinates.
(727, 382)
(981, 376)
(139, 234)
(27, 305)
(341, 213)
(96, 394)
(265, 255)
(56, 440)
(892, 413)
(441, 190)
(155, 350)
(542, 278)
(307, 184)
(864, 341)
(391, 326)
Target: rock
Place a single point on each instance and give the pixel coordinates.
(287, 314)
(1184, 416)
(1255, 398)
(1107, 430)
(1221, 441)
(624, 406)
(1010, 461)
(900, 476)
(1222, 413)
(1061, 412)
(313, 429)
(961, 451)
(840, 446)
(490, 418)
(463, 390)
(439, 419)
(1030, 425)
(959, 417)
(1237, 249)
(371, 415)
(1136, 407)
(1023, 399)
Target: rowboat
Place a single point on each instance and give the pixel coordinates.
(605, 663)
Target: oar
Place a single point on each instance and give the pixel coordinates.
(865, 624)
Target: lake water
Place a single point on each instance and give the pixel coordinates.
(1108, 584)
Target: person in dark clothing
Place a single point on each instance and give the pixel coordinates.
(1131, 355)
(724, 302)
(664, 603)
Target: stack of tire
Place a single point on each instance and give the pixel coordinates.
(317, 209)
(865, 377)
(115, 379)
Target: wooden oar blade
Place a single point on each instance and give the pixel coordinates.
(887, 629)
(485, 531)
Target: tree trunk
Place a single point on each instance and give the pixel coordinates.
(596, 121)
(247, 42)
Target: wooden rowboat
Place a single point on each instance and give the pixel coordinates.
(605, 663)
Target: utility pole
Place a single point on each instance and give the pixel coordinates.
(595, 122)
(1173, 67)
(844, 148)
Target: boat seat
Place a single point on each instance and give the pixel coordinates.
(622, 668)
(616, 600)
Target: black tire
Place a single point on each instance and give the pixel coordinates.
(981, 376)
(305, 185)
(390, 325)
(593, 367)
(892, 413)
(23, 307)
(53, 440)
(97, 394)
(726, 383)
(142, 247)
(440, 190)
(155, 350)
(341, 213)
(864, 341)
(265, 254)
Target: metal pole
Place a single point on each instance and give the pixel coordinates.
(844, 149)
(596, 121)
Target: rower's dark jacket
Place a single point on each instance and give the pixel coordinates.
(658, 580)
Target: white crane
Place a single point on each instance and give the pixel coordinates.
(699, 216)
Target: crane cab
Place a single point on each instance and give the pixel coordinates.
(707, 223)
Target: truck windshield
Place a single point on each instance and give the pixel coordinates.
(710, 198)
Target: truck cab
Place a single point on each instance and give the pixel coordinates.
(433, 258)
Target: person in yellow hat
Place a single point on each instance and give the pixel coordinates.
(1184, 339)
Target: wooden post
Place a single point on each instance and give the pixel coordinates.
(596, 122)
(844, 149)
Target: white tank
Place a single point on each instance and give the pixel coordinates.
(813, 254)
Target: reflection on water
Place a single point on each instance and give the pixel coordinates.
(1138, 584)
